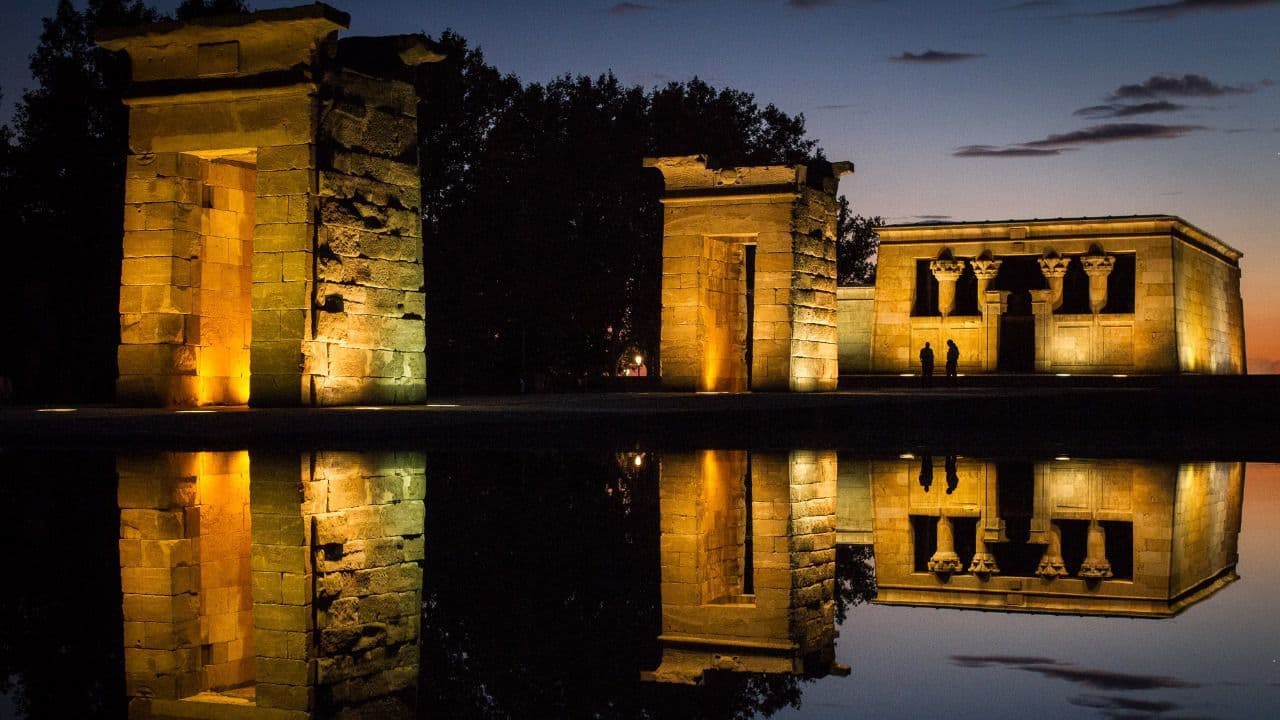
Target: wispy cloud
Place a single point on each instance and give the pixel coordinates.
(1059, 143)
(1114, 132)
(936, 56)
(1119, 110)
(1030, 5)
(1170, 10)
(1120, 702)
(993, 151)
(811, 4)
(1108, 680)
(977, 661)
(1189, 85)
(630, 8)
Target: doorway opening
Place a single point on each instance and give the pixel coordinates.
(1018, 275)
(748, 342)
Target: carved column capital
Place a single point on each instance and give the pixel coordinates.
(1051, 563)
(986, 268)
(1054, 267)
(1096, 566)
(945, 561)
(947, 269)
(1098, 264)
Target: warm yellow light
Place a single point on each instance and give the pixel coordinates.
(1119, 375)
(1064, 374)
(442, 405)
(906, 456)
(194, 412)
(906, 375)
(639, 359)
(639, 460)
(1062, 458)
(57, 410)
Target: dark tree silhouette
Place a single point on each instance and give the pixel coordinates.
(191, 9)
(857, 243)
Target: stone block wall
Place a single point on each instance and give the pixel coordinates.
(855, 315)
(370, 339)
(1206, 523)
(1209, 310)
(223, 296)
(305, 603)
(814, 352)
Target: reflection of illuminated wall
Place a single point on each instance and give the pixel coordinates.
(331, 583)
(270, 165)
(1136, 538)
(710, 218)
(786, 622)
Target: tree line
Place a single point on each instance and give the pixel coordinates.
(542, 229)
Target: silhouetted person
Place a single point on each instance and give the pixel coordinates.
(926, 471)
(953, 360)
(953, 479)
(926, 366)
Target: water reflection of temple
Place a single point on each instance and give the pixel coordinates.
(278, 586)
(1098, 537)
(748, 563)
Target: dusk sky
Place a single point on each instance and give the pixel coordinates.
(951, 110)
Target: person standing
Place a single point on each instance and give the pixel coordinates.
(926, 366)
(953, 361)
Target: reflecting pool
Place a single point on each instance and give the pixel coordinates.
(636, 583)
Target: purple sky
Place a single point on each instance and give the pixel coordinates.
(984, 109)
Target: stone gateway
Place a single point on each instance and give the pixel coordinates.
(272, 238)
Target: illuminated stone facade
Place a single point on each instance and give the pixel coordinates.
(275, 587)
(748, 276)
(1094, 537)
(1149, 295)
(748, 563)
(273, 240)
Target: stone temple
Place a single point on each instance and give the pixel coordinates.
(1116, 295)
(273, 239)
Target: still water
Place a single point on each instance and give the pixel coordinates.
(636, 584)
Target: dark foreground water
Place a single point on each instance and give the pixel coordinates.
(636, 584)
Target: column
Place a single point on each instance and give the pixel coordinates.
(1042, 308)
(1098, 267)
(1054, 269)
(985, 269)
(947, 272)
(945, 560)
(1095, 565)
(983, 563)
(994, 305)
(1051, 563)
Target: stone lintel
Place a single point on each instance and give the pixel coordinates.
(697, 175)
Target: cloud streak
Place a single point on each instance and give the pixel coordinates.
(1120, 110)
(1114, 132)
(1189, 85)
(936, 56)
(1108, 680)
(811, 4)
(994, 151)
(1171, 10)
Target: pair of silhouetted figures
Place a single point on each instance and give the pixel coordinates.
(926, 363)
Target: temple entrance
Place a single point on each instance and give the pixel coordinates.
(748, 342)
(1019, 275)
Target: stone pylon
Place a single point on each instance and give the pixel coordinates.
(273, 233)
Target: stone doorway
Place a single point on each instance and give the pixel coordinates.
(1019, 275)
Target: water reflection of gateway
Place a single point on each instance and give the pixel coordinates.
(293, 595)
(1097, 537)
(748, 563)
